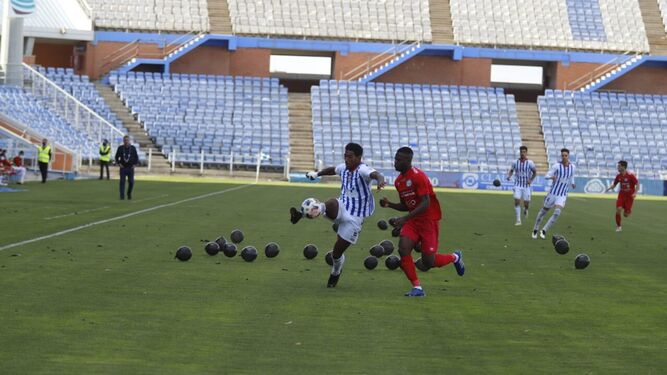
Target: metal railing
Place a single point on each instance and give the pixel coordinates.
(131, 51)
(377, 61)
(88, 10)
(80, 116)
(599, 72)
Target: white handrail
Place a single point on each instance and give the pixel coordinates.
(69, 97)
(26, 130)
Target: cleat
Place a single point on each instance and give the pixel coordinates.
(618, 229)
(534, 235)
(543, 234)
(333, 280)
(518, 223)
(295, 215)
(460, 267)
(415, 292)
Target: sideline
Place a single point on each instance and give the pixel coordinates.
(75, 229)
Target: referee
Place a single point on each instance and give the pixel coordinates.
(126, 158)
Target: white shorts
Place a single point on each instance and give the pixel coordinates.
(349, 226)
(553, 200)
(522, 193)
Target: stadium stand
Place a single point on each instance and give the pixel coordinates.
(602, 128)
(453, 128)
(25, 108)
(219, 115)
(614, 25)
(352, 19)
(169, 15)
(663, 12)
(58, 19)
(80, 87)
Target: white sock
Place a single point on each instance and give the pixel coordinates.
(337, 267)
(538, 220)
(517, 209)
(552, 219)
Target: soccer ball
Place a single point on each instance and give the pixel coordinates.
(310, 208)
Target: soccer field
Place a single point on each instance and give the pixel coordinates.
(110, 298)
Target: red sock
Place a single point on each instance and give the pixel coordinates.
(408, 266)
(618, 219)
(444, 259)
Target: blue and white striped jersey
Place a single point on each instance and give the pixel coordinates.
(564, 178)
(523, 172)
(355, 192)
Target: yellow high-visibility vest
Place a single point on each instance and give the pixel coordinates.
(105, 153)
(43, 154)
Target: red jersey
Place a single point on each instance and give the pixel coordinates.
(18, 161)
(628, 183)
(411, 186)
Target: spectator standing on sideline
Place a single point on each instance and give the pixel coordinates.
(126, 158)
(105, 157)
(44, 158)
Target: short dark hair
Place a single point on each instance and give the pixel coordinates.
(623, 163)
(405, 150)
(523, 148)
(356, 149)
(565, 150)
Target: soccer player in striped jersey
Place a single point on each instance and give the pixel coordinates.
(356, 202)
(524, 173)
(562, 175)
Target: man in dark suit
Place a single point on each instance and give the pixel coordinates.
(126, 158)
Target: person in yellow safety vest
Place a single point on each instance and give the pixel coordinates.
(43, 158)
(105, 157)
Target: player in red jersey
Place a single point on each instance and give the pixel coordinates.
(421, 224)
(627, 192)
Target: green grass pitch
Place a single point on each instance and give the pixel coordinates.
(111, 298)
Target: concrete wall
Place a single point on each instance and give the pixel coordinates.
(96, 56)
(566, 75)
(641, 81)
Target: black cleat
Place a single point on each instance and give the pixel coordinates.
(333, 280)
(295, 215)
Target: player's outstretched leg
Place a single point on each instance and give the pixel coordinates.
(338, 260)
(295, 215)
(551, 222)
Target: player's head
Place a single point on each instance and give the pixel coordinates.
(565, 155)
(403, 159)
(523, 152)
(622, 166)
(44, 141)
(21, 153)
(353, 154)
(126, 140)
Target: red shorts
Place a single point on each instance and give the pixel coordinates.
(424, 231)
(625, 202)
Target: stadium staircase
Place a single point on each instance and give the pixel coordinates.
(302, 152)
(606, 73)
(655, 29)
(384, 62)
(159, 163)
(218, 17)
(441, 22)
(532, 136)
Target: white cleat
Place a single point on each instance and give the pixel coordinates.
(518, 223)
(618, 229)
(543, 234)
(534, 235)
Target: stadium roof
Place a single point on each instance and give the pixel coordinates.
(58, 19)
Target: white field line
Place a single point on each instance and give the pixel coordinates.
(75, 213)
(150, 198)
(75, 229)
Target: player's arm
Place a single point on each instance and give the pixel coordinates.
(613, 185)
(551, 175)
(421, 208)
(384, 202)
(510, 173)
(330, 171)
(532, 178)
(377, 176)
